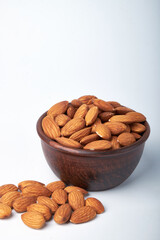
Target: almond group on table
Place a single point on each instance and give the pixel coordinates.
(93, 124)
(39, 203)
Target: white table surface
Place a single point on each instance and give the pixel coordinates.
(58, 50)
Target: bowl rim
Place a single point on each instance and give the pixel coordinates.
(83, 152)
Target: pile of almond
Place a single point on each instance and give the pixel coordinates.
(93, 124)
(40, 202)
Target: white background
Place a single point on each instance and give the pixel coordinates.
(59, 50)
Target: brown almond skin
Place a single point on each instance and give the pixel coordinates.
(76, 103)
(103, 105)
(105, 116)
(50, 127)
(123, 110)
(62, 119)
(81, 111)
(36, 190)
(136, 117)
(59, 196)
(68, 142)
(72, 126)
(5, 211)
(41, 208)
(71, 111)
(136, 135)
(50, 203)
(7, 188)
(83, 214)
(63, 213)
(98, 121)
(9, 197)
(77, 136)
(33, 219)
(90, 138)
(103, 131)
(55, 185)
(115, 144)
(138, 127)
(91, 115)
(96, 204)
(126, 139)
(58, 108)
(116, 127)
(76, 199)
(98, 145)
(122, 118)
(114, 103)
(87, 99)
(69, 189)
(21, 203)
(26, 183)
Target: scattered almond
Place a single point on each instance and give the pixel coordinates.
(59, 196)
(69, 189)
(76, 199)
(50, 203)
(33, 219)
(20, 204)
(63, 213)
(9, 197)
(5, 211)
(83, 214)
(55, 185)
(7, 188)
(26, 183)
(41, 208)
(36, 190)
(96, 204)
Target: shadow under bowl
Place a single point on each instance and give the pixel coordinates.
(92, 170)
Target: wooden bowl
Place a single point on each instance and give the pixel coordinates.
(92, 170)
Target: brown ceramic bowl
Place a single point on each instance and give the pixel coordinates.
(92, 170)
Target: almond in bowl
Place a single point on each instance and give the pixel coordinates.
(99, 145)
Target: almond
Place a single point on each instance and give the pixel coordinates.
(33, 219)
(136, 116)
(63, 214)
(138, 127)
(98, 121)
(105, 116)
(83, 214)
(67, 142)
(20, 204)
(62, 119)
(116, 127)
(104, 106)
(76, 103)
(103, 131)
(75, 188)
(59, 196)
(115, 144)
(136, 135)
(7, 188)
(81, 111)
(122, 118)
(96, 204)
(50, 203)
(9, 197)
(50, 127)
(25, 183)
(126, 139)
(76, 199)
(72, 126)
(123, 110)
(55, 185)
(91, 115)
(87, 99)
(98, 145)
(77, 136)
(71, 111)
(89, 138)
(43, 209)
(128, 129)
(58, 108)
(114, 103)
(5, 211)
(36, 190)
